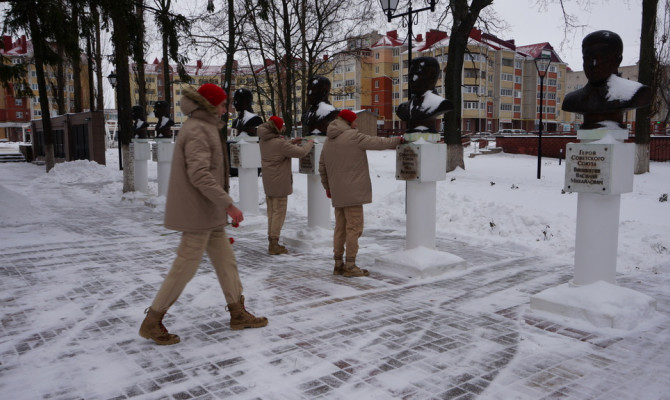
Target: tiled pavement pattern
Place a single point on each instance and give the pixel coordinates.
(71, 307)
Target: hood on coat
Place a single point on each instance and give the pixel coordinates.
(192, 100)
(336, 127)
(267, 131)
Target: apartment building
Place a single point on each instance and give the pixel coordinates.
(17, 112)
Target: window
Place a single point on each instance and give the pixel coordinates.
(505, 107)
(517, 79)
(396, 52)
(376, 70)
(376, 55)
(396, 81)
(396, 67)
(19, 115)
(506, 92)
(18, 102)
(507, 77)
(33, 86)
(517, 94)
(376, 84)
(470, 89)
(396, 95)
(489, 108)
(551, 82)
(37, 113)
(338, 84)
(348, 68)
(338, 70)
(518, 64)
(517, 108)
(470, 105)
(507, 62)
(349, 82)
(552, 68)
(376, 98)
(470, 73)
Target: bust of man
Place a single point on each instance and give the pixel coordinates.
(425, 105)
(320, 112)
(162, 113)
(606, 96)
(246, 120)
(140, 123)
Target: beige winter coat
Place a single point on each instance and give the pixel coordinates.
(343, 164)
(276, 154)
(196, 197)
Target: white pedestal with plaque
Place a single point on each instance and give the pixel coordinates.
(245, 155)
(141, 155)
(318, 234)
(164, 150)
(599, 169)
(421, 165)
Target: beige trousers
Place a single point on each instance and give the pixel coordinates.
(276, 214)
(189, 255)
(348, 228)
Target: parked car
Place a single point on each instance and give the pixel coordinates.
(511, 132)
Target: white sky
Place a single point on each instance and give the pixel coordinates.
(529, 24)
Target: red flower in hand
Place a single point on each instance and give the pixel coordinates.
(231, 240)
(235, 224)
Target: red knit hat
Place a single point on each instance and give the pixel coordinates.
(213, 93)
(347, 115)
(279, 123)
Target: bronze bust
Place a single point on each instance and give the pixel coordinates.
(246, 120)
(606, 96)
(140, 123)
(320, 113)
(162, 113)
(425, 105)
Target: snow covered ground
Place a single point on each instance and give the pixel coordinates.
(495, 203)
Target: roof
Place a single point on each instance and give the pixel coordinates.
(535, 51)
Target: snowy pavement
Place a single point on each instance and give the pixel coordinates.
(79, 264)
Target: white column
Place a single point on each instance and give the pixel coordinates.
(165, 149)
(318, 204)
(248, 186)
(421, 214)
(142, 155)
(596, 238)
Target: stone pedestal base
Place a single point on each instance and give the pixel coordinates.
(602, 304)
(420, 262)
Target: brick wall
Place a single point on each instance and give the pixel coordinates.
(659, 146)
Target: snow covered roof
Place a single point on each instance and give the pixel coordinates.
(535, 51)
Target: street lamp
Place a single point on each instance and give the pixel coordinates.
(112, 81)
(389, 7)
(542, 66)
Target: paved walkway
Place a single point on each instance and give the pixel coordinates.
(72, 302)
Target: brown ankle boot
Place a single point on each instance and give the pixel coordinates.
(351, 270)
(339, 266)
(275, 248)
(152, 328)
(240, 318)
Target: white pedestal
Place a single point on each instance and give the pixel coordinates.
(421, 164)
(245, 155)
(318, 204)
(164, 150)
(141, 155)
(602, 304)
(599, 169)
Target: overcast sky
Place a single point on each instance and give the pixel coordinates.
(530, 25)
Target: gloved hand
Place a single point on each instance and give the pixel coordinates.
(328, 193)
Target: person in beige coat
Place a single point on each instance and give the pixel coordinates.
(276, 154)
(198, 205)
(345, 175)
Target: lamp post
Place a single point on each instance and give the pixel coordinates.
(389, 7)
(112, 81)
(542, 66)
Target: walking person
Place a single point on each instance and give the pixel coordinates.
(345, 175)
(198, 205)
(276, 154)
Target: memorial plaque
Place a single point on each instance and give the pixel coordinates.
(587, 168)
(599, 168)
(308, 163)
(154, 152)
(235, 155)
(408, 160)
